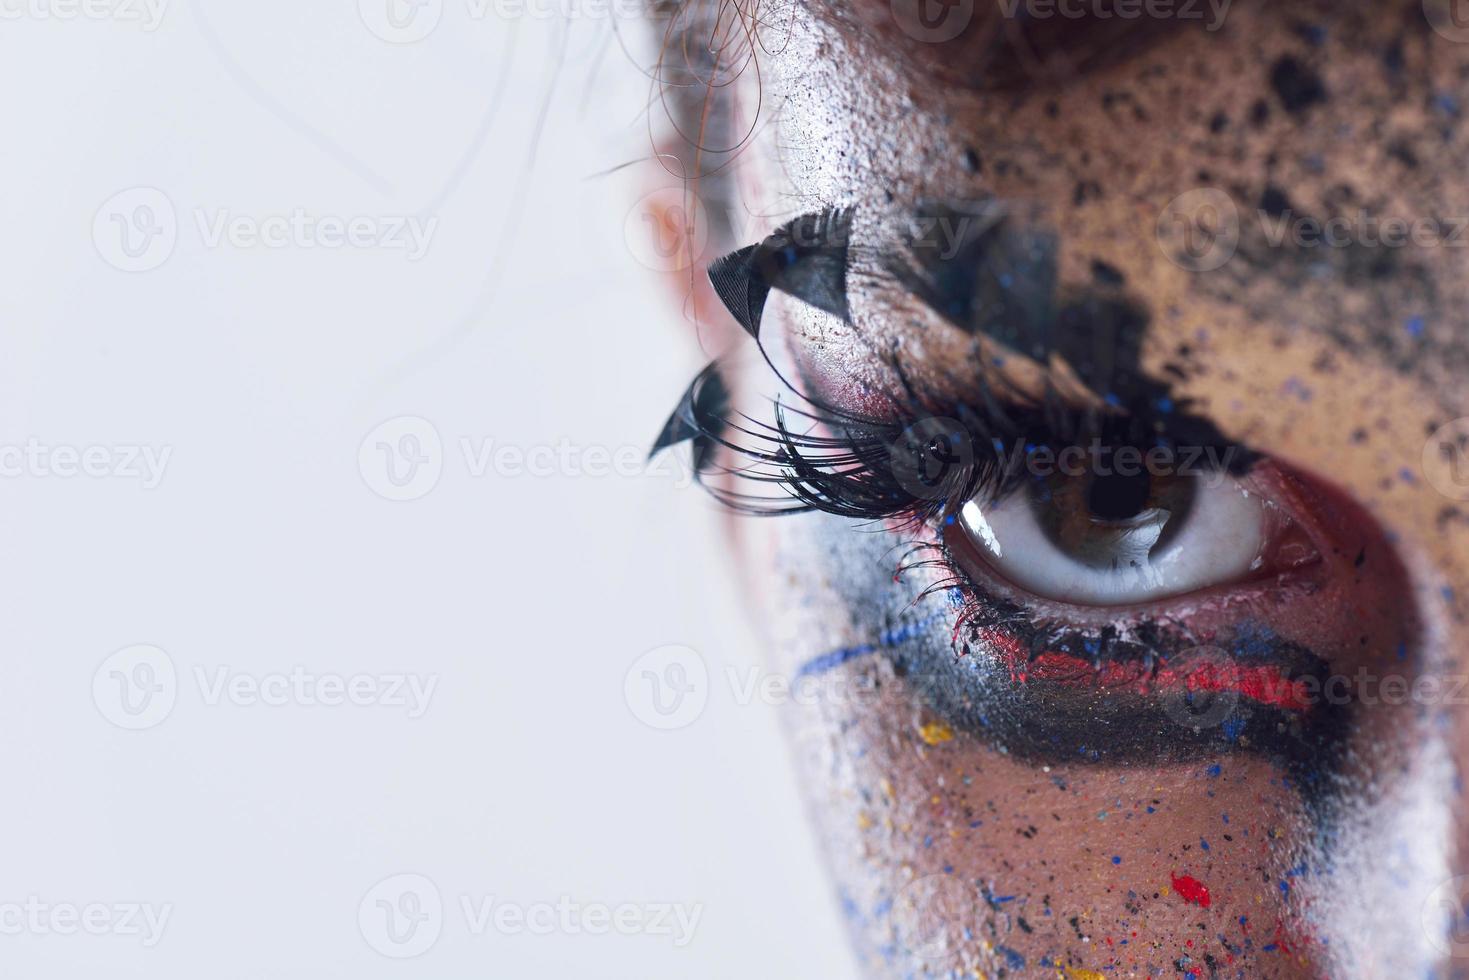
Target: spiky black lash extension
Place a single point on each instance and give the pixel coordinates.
(921, 460)
(921, 463)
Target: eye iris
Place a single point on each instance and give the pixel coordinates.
(1114, 520)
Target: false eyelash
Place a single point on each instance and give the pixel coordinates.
(919, 462)
(806, 259)
(920, 459)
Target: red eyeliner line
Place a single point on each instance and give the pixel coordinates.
(1266, 684)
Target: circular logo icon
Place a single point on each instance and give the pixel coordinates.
(1445, 916)
(931, 914)
(667, 688)
(401, 21)
(667, 230)
(401, 916)
(933, 459)
(136, 687)
(402, 459)
(1450, 18)
(135, 230)
(1446, 459)
(1199, 229)
(1208, 691)
(814, 746)
(932, 21)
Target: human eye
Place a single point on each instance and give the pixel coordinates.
(1125, 532)
(1114, 576)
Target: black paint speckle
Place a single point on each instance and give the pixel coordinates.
(1106, 274)
(1274, 202)
(1297, 86)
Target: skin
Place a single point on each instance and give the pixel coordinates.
(960, 851)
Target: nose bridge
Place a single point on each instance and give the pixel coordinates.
(1442, 588)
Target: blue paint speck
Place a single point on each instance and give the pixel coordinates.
(1012, 959)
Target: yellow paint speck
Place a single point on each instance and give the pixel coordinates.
(934, 732)
(864, 822)
(1075, 974)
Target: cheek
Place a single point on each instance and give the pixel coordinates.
(953, 853)
(957, 857)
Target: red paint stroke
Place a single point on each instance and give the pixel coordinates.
(1190, 889)
(1263, 683)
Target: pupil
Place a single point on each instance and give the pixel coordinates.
(1116, 497)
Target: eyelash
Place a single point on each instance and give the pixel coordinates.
(857, 469)
(865, 469)
(833, 461)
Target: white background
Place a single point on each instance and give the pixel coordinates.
(528, 322)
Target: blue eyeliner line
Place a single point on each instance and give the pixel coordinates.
(889, 638)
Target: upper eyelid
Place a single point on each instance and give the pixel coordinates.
(1003, 256)
(811, 253)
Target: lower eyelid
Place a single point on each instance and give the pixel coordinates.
(1048, 683)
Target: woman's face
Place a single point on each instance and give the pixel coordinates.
(1126, 377)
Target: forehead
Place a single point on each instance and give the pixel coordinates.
(1330, 133)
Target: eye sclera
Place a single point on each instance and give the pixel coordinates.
(1232, 533)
